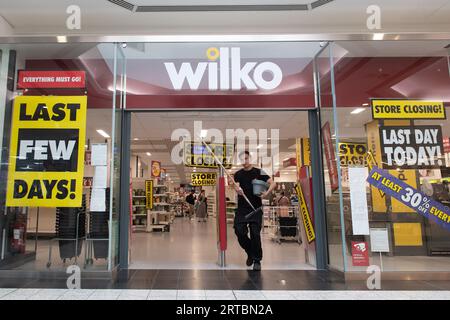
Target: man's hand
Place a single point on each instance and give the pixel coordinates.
(239, 191)
(265, 194)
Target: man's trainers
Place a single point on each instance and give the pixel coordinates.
(257, 266)
(249, 261)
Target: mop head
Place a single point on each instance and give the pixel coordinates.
(251, 214)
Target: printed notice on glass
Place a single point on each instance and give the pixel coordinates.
(100, 177)
(379, 240)
(358, 199)
(99, 154)
(98, 200)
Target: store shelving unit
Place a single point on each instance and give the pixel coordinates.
(231, 211)
(138, 203)
(139, 211)
(211, 196)
(160, 217)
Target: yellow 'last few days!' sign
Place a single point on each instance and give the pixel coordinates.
(46, 161)
(407, 109)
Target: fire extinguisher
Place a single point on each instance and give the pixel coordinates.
(18, 241)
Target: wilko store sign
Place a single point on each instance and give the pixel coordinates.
(51, 79)
(225, 71)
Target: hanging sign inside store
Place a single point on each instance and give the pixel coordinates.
(411, 147)
(195, 154)
(149, 194)
(156, 169)
(46, 162)
(203, 178)
(306, 218)
(407, 109)
(51, 79)
(360, 254)
(421, 203)
(352, 153)
(330, 156)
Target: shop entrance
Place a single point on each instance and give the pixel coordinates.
(167, 163)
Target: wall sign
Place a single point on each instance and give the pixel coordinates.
(203, 178)
(411, 147)
(407, 109)
(360, 254)
(46, 161)
(51, 79)
(379, 240)
(223, 70)
(352, 153)
(411, 197)
(358, 200)
(195, 154)
(149, 194)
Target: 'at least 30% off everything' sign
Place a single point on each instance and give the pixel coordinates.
(411, 197)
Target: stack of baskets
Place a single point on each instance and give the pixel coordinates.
(71, 225)
(99, 229)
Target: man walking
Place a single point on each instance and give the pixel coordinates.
(190, 199)
(242, 226)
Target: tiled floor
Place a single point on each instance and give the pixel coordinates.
(117, 294)
(192, 245)
(219, 281)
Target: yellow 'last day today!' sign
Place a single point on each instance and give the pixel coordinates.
(407, 109)
(46, 161)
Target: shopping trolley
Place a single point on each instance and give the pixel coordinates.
(284, 224)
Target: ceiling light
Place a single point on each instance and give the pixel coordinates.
(103, 133)
(149, 154)
(259, 146)
(61, 39)
(357, 110)
(365, 104)
(203, 133)
(135, 139)
(378, 36)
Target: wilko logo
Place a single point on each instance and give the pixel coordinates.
(225, 71)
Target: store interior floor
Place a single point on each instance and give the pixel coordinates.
(192, 245)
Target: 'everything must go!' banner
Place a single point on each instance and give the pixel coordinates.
(411, 197)
(46, 162)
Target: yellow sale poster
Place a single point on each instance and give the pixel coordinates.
(46, 161)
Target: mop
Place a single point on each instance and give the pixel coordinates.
(249, 215)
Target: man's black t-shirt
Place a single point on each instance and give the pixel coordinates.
(245, 178)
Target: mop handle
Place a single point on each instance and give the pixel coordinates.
(226, 172)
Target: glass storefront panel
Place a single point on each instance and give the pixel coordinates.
(324, 66)
(55, 174)
(393, 151)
